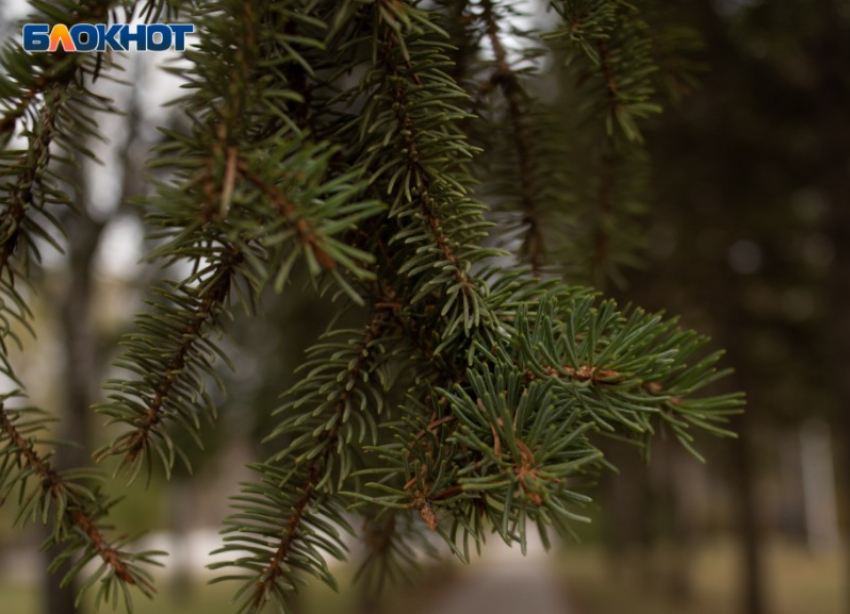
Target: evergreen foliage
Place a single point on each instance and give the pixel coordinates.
(368, 143)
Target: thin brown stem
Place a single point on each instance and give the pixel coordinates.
(611, 85)
(13, 217)
(605, 196)
(316, 468)
(508, 81)
(55, 486)
(407, 133)
(134, 442)
(306, 233)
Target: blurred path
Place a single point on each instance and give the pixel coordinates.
(505, 582)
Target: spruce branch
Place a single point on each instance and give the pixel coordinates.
(614, 41)
(308, 235)
(394, 542)
(54, 70)
(602, 371)
(27, 79)
(57, 489)
(52, 95)
(76, 509)
(9, 120)
(420, 165)
(507, 80)
(243, 206)
(464, 38)
(409, 133)
(51, 92)
(278, 520)
(527, 167)
(22, 196)
(470, 400)
(200, 312)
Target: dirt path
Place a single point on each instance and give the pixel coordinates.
(504, 582)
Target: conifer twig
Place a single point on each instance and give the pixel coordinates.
(131, 444)
(87, 12)
(74, 508)
(506, 78)
(306, 232)
(315, 470)
(408, 132)
(12, 220)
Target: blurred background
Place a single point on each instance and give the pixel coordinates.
(748, 239)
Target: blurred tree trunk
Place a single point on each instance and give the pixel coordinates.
(679, 484)
(839, 340)
(729, 62)
(628, 536)
(80, 374)
(183, 500)
(82, 348)
(831, 53)
(749, 533)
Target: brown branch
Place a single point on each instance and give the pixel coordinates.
(10, 119)
(507, 80)
(407, 132)
(132, 443)
(315, 469)
(274, 568)
(602, 238)
(611, 85)
(584, 373)
(306, 232)
(86, 13)
(433, 425)
(385, 296)
(13, 217)
(55, 486)
(216, 199)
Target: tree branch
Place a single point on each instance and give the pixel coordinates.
(75, 514)
(317, 466)
(408, 132)
(12, 220)
(133, 443)
(507, 80)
